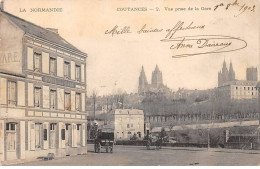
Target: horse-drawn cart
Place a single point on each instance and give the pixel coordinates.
(105, 140)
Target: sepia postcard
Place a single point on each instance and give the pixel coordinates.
(129, 83)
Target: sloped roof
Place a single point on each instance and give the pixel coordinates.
(241, 82)
(128, 111)
(38, 31)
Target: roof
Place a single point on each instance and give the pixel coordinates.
(241, 83)
(128, 111)
(38, 31)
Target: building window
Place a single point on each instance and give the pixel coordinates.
(45, 135)
(132, 125)
(38, 134)
(53, 66)
(66, 70)
(11, 136)
(53, 99)
(37, 97)
(128, 125)
(62, 134)
(78, 134)
(68, 134)
(78, 107)
(37, 58)
(52, 135)
(77, 73)
(12, 93)
(67, 102)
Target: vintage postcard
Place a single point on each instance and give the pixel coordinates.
(129, 83)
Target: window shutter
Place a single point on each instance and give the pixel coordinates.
(82, 73)
(3, 90)
(29, 58)
(32, 136)
(45, 62)
(74, 135)
(30, 94)
(83, 134)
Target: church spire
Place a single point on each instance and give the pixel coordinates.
(231, 72)
(142, 81)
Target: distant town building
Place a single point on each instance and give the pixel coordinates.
(231, 88)
(258, 88)
(239, 89)
(156, 83)
(251, 74)
(226, 75)
(42, 92)
(126, 123)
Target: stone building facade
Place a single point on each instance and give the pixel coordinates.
(126, 123)
(42, 92)
(240, 89)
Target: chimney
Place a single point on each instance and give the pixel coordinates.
(53, 30)
(2, 5)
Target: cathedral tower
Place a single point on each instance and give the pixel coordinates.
(157, 80)
(142, 82)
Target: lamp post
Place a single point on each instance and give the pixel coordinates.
(208, 139)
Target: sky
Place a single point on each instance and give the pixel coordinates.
(114, 62)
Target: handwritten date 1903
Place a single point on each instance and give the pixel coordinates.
(243, 7)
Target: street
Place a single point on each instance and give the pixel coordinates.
(167, 156)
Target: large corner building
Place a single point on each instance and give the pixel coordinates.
(42, 92)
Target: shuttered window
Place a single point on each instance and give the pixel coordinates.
(62, 134)
(53, 99)
(37, 97)
(38, 133)
(53, 66)
(79, 134)
(78, 73)
(67, 70)
(67, 102)
(37, 58)
(11, 136)
(68, 135)
(45, 135)
(78, 101)
(52, 135)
